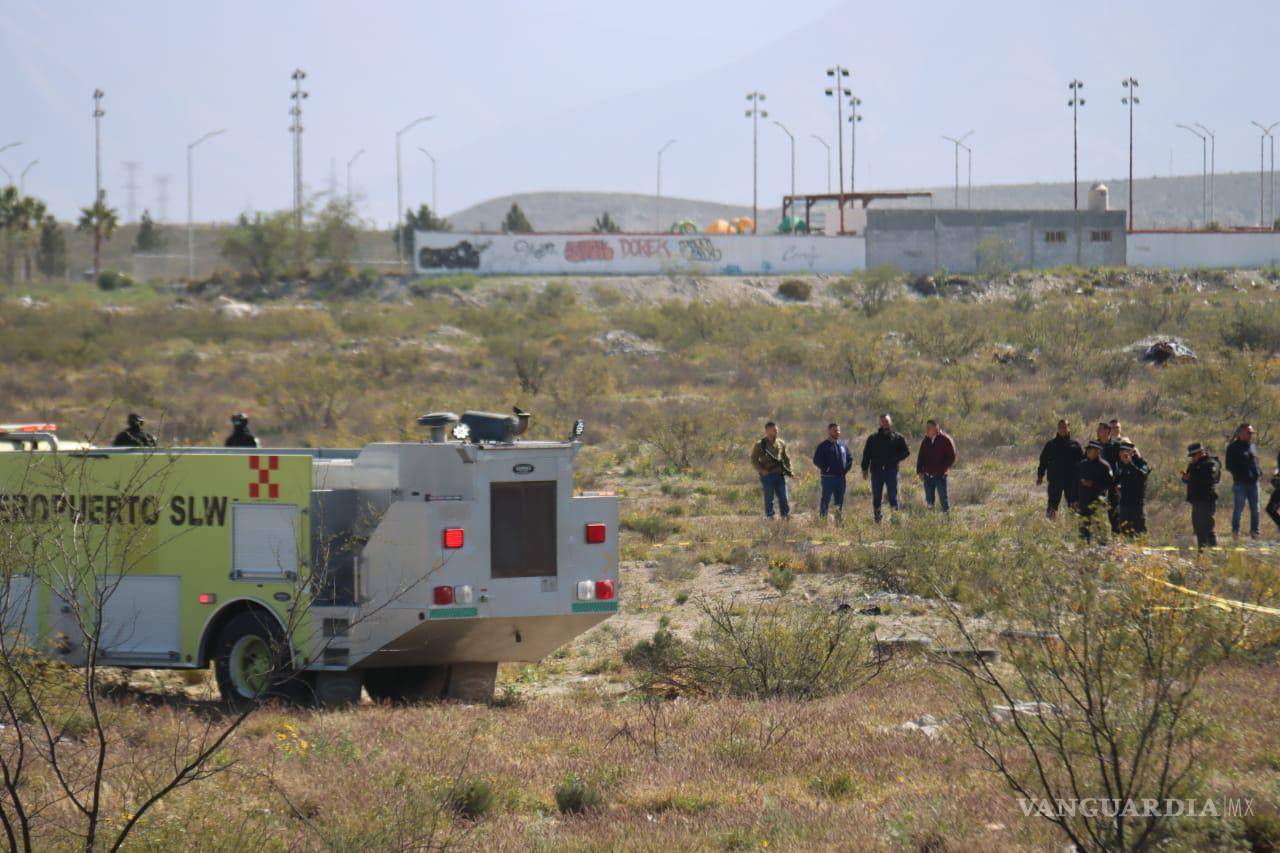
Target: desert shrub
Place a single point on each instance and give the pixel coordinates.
(995, 256)
(431, 285)
(947, 333)
(576, 795)
(114, 280)
(1254, 327)
(471, 798)
(685, 436)
(651, 526)
(837, 786)
(871, 291)
(795, 290)
(764, 651)
(781, 578)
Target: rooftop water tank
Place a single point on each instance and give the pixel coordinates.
(1098, 201)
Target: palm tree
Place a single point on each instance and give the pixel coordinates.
(20, 216)
(102, 221)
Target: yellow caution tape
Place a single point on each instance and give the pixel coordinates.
(1216, 600)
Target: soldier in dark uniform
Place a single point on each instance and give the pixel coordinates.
(134, 435)
(1131, 482)
(1094, 480)
(240, 435)
(1202, 477)
(1273, 505)
(1058, 460)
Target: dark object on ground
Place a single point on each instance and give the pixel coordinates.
(1162, 351)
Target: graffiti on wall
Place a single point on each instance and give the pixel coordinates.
(580, 251)
(644, 247)
(533, 251)
(461, 256)
(700, 250)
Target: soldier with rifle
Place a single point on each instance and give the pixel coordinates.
(769, 458)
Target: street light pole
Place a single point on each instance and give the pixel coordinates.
(191, 234)
(854, 118)
(755, 114)
(839, 92)
(22, 178)
(793, 156)
(1262, 198)
(9, 145)
(351, 163)
(959, 143)
(1075, 103)
(400, 190)
(98, 206)
(1213, 169)
(1131, 99)
(435, 211)
(657, 198)
(1204, 171)
(828, 147)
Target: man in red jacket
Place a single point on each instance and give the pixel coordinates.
(937, 455)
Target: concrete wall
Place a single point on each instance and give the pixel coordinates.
(631, 254)
(1192, 250)
(924, 241)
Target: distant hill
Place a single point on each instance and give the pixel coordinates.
(1174, 202)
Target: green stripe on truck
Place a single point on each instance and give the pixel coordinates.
(595, 607)
(452, 613)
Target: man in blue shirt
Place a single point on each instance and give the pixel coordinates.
(834, 461)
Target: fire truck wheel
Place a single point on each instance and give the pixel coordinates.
(251, 661)
(338, 689)
(406, 684)
(472, 682)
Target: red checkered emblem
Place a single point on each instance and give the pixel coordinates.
(264, 465)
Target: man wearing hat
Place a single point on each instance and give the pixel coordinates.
(134, 435)
(1202, 477)
(240, 435)
(1094, 480)
(1131, 483)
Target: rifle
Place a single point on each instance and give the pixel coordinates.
(786, 469)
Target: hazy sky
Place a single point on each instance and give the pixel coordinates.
(563, 94)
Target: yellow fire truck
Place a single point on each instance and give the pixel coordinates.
(409, 569)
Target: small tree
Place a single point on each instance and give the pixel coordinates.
(102, 221)
(261, 245)
(516, 222)
(424, 219)
(336, 235)
(51, 248)
(20, 216)
(605, 225)
(150, 238)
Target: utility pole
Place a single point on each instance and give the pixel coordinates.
(1131, 99)
(435, 211)
(1262, 203)
(1075, 103)
(968, 193)
(793, 156)
(98, 205)
(828, 147)
(131, 168)
(657, 199)
(191, 233)
(839, 92)
(854, 118)
(298, 96)
(1204, 171)
(351, 163)
(22, 178)
(1213, 168)
(958, 143)
(162, 197)
(400, 189)
(755, 114)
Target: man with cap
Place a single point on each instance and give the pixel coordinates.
(833, 460)
(1094, 480)
(1202, 477)
(769, 458)
(134, 435)
(881, 455)
(1058, 460)
(240, 435)
(1131, 482)
(1246, 471)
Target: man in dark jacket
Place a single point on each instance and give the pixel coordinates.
(833, 461)
(882, 453)
(240, 435)
(1202, 477)
(1273, 505)
(1246, 471)
(1094, 480)
(134, 435)
(1058, 460)
(937, 455)
(1131, 482)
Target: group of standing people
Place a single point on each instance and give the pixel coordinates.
(882, 455)
(135, 434)
(1109, 473)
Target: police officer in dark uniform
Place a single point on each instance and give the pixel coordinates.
(1202, 477)
(240, 435)
(1058, 460)
(1094, 480)
(1131, 482)
(134, 435)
